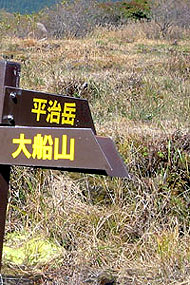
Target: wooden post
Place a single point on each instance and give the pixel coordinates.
(4, 186)
(9, 76)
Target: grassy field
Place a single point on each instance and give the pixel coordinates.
(74, 228)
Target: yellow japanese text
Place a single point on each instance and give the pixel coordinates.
(45, 147)
(53, 111)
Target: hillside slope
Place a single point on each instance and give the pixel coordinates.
(138, 229)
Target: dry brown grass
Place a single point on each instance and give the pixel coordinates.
(132, 231)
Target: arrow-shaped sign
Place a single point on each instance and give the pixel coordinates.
(65, 148)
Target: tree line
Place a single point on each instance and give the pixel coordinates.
(79, 17)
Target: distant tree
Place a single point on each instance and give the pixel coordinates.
(133, 9)
(170, 13)
(75, 18)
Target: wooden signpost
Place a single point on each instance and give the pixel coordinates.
(49, 131)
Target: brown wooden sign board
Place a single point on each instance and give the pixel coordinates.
(58, 148)
(33, 108)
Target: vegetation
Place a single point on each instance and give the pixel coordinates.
(95, 228)
(135, 9)
(28, 7)
(80, 17)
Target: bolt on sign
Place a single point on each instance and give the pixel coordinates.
(50, 131)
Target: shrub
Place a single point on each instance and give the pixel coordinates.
(79, 17)
(168, 14)
(124, 10)
(74, 18)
